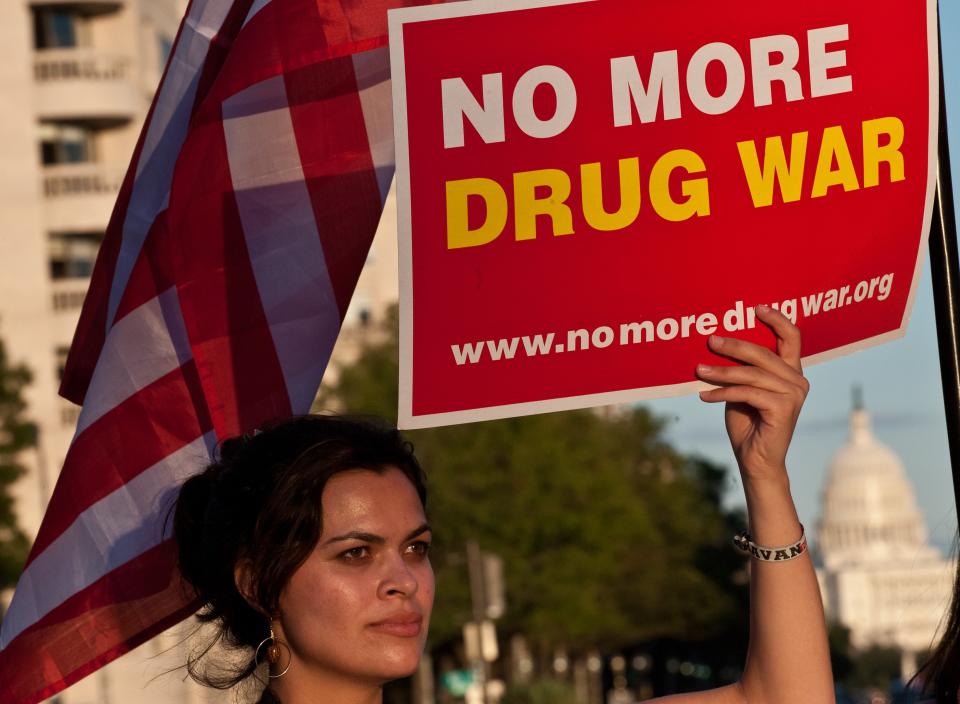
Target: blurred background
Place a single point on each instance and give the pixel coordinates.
(582, 557)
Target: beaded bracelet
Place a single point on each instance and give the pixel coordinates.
(744, 542)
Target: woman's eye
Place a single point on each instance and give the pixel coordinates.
(353, 554)
(421, 548)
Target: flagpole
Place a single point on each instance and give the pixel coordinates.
(945, 274)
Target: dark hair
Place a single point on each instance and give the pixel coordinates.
(939, 676)
(260, 501)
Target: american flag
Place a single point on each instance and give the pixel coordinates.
(233, 250)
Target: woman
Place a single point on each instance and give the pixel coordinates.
(309, 544)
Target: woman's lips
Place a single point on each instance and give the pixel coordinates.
(406, 626)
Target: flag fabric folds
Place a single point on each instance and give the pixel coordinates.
(227, 267)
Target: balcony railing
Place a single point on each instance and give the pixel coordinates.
(65, 180)
(80, 197)
(68, 294)
(84, 64)
(85, 84)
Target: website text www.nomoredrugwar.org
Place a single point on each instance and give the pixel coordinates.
(737, 317)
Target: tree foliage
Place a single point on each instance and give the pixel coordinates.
(875, 667)
(16, 434)
(863, 670)
(608, 535)
(841, 651)
(540, 692)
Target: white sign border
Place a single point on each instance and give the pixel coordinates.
(406, 420)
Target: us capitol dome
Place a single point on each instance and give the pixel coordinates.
(879, 576)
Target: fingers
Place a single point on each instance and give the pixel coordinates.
(780, 404)
(788, 334)
(768, 372)
(758, 356)
(750, 395)
(745, 376)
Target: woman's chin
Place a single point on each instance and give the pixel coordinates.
(399, 663)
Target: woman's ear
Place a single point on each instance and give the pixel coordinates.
(243, 579)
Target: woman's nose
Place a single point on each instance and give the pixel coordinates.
(398, 579)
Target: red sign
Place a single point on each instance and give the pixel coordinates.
(588, 189)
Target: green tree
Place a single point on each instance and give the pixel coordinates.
(540, 692)
(16, 435)
(608, 535)
(841, 652)
(875, 668)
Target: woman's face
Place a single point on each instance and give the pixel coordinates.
(360, 605)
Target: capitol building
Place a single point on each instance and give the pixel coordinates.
(879, 577)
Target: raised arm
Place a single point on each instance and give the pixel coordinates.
(788, 661)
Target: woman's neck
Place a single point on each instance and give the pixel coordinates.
(311, 687)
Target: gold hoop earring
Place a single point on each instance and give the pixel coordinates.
(274, 653)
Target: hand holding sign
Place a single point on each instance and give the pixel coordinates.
(763, 397)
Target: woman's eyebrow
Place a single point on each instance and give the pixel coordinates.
(422, 529)
(357, 535)
(373, 538)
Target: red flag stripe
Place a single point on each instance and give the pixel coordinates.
(137, 434)
(123, 609)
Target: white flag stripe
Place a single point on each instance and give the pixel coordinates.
(372, 69)
(254, 9)
(145, 345)
(164, 136)
(111, 532)
(281, 235)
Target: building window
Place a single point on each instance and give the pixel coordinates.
(73, 254)
(166, 46)
(65, 144)
(359, 313)
(61, 354)
(69, 414)
(68, 300)
(56, 28)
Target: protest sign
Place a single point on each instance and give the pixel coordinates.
(587, 190)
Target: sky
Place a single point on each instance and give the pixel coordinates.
(900, 380)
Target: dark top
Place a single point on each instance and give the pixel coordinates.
(268, 697)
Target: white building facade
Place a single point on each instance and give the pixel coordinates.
(879, 577)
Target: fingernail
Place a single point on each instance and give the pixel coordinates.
(716, 340)
(704, 369)
(763, 308)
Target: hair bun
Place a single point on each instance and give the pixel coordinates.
(231, 448)
(189, 527)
